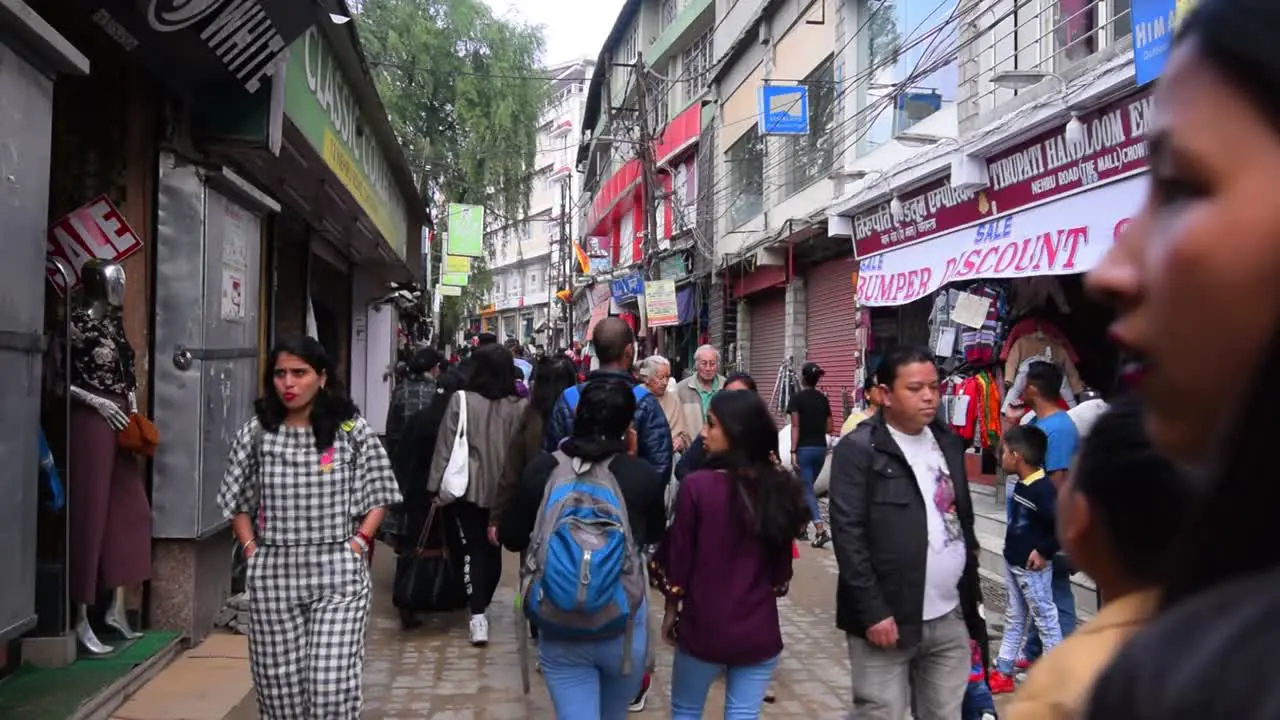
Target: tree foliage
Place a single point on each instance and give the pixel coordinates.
(464, 92)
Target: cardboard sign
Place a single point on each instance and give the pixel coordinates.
(95, 230)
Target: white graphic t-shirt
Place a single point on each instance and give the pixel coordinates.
(946, 558)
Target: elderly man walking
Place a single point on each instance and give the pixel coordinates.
(696, 391)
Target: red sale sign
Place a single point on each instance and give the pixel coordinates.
(95, 230)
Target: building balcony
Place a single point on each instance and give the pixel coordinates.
(1065, 39)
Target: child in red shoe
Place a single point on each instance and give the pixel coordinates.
(1029, 546)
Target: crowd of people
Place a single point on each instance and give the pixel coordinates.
(616, 481)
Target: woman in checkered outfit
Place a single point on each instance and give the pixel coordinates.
(306, 486)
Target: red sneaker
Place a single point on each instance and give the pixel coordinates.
(1022, 664)
(1000, 683)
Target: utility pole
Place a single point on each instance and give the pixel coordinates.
(647, 175)
(565, 264)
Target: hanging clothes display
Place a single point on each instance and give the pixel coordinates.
(971, 406)
(1035, 338)
(1013, 399)
(978, 345)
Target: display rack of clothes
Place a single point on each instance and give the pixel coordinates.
(970, 405)
(1030, 341)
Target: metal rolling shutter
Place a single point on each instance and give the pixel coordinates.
(768, 325)
(830, 340)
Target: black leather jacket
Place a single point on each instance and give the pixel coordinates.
(881, 534)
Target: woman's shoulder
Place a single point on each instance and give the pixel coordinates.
(1211, 655)
(705, 476)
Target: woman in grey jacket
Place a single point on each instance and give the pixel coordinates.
(494, 412)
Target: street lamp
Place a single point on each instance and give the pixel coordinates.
(1023, 79)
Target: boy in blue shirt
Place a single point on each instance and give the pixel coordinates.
(1030, 543)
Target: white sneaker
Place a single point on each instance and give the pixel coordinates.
(479, 630)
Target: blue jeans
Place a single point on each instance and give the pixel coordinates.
(977, 701)
(585, 679)
(1066, 604)
(744, 687)
(811, 460)
(1030, 598)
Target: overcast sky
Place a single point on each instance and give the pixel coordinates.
(574, 28)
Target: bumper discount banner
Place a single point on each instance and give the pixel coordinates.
(1063, 237)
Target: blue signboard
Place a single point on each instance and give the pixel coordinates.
(784, 109)
(1154, 22)
(627, 287)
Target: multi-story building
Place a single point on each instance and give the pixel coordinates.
(527, 257)
(640, 209)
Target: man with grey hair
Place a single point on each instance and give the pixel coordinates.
(696, 391)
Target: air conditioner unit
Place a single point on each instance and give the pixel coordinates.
(969, 172)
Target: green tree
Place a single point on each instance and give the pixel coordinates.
(464, 91)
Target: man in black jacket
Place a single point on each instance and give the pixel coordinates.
(615, 346)
(902, 522)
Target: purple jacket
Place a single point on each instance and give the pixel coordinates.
(727, 579)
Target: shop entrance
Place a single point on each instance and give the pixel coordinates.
(208, 244)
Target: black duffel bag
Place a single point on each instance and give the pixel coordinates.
(427, 579)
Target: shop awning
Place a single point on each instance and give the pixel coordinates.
(1062, 237)
(191, 45)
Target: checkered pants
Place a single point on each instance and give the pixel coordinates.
(308, 607)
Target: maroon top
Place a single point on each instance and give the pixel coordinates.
(727, 579)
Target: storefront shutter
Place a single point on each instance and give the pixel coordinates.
(830, 340)
(768, 315)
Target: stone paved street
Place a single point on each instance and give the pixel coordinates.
(433, 671)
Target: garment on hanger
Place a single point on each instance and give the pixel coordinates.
(1030, 326)
(1013, 399)
(1040, 343)
(1034, 293)
(979, 345)
(941, 324)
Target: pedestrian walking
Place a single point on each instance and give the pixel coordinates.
(812, 426)
(903, 529)
(306, 486)
(726, 559)
(493, 412)
(589, 505)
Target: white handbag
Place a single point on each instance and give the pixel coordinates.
(457, 474)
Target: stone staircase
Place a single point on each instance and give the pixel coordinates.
(989, 521)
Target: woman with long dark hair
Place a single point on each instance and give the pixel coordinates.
(727, 558)
(551, 378)
(1194, 284)
(494, 413)
(306, 486)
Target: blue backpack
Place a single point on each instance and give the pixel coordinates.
(583, 577)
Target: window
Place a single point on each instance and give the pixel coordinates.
(684, 196)
(812, 156)
(628, 49)
(656, 89)
(746, 178)
(911, 46)
(667, 13)
(695, 61)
